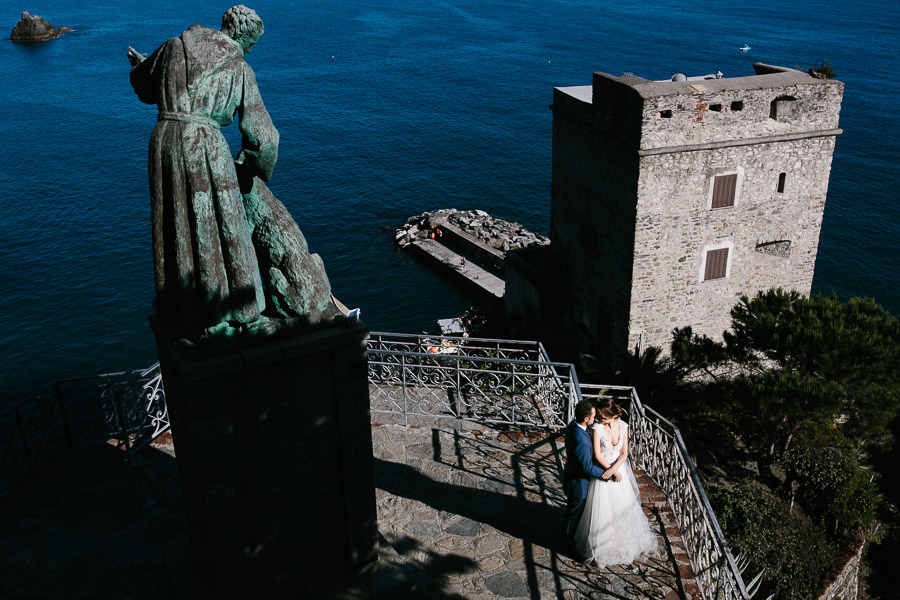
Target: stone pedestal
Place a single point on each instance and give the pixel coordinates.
(274, 453)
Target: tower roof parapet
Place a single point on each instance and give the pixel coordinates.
(687, 112)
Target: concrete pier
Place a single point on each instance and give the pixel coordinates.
(472, 275)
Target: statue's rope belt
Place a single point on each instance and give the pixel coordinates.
(188, 118)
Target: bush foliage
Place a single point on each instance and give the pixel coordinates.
(796, 554)
(796, 397)
(832, 487)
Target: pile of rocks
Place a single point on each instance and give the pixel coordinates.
(497, 233)
(33, 28)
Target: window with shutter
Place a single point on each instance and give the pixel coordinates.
(716, 264)
(723, 190)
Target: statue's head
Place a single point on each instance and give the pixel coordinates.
(243, 25)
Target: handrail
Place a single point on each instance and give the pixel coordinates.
(38, 394)
(457, 338)
(69, 414)
(480, 379)
(711, 559)
(483, 359)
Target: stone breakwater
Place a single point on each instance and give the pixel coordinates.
(497, 233)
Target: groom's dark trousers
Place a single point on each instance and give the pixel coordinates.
(580, 469)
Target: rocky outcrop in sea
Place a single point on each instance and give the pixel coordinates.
(497, 233)
(33, 28)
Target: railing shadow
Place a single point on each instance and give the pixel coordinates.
(513, 485)
(500, 511)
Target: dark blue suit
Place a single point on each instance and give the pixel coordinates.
(580, 469)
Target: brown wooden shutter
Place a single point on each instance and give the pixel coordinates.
(716, 264)
(723, 190)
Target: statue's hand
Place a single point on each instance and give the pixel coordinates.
(135, 57)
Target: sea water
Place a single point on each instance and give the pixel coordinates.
(385, 109)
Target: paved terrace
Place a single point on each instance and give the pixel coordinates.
(463, 511)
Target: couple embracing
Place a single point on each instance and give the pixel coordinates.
(604, 522)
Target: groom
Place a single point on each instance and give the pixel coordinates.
(580, 467)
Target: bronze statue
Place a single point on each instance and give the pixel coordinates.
(226, 251)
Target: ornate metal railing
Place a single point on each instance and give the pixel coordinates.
(73, 414)
(502, 382)
(656, 446)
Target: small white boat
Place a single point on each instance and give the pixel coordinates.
(744, 48)
(451, 326)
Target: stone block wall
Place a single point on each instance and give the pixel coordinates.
(594, 190)
(634, 163)
(846, 584)
(773, 236)
(727, 110)
(274, 451)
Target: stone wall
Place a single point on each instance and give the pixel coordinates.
(634, 163)
(592, 228)
(726, 110)
(846, 584)
(773, 236)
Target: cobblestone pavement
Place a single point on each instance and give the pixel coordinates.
(476, 513)
(463, 513)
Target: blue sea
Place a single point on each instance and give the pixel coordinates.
(386, 109)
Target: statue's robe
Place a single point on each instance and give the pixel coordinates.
(205, 265)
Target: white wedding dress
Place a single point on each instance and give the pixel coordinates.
(613, 529)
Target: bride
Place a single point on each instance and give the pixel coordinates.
(613, 529)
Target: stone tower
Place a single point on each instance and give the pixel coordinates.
(671, 199)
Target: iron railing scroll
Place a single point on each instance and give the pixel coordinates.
(656, 446)
(501, 382)
(73, 414)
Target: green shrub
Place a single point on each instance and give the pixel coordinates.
(796, 554)
(832, 487)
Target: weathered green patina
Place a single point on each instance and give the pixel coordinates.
(295, 280)
(227, 254)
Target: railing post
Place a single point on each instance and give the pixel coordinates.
(636, 442)
(512, 392)
(120, 412)
(458, 387)
(405, 392)
(455, 405)
(64, 416)
(24, 439)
